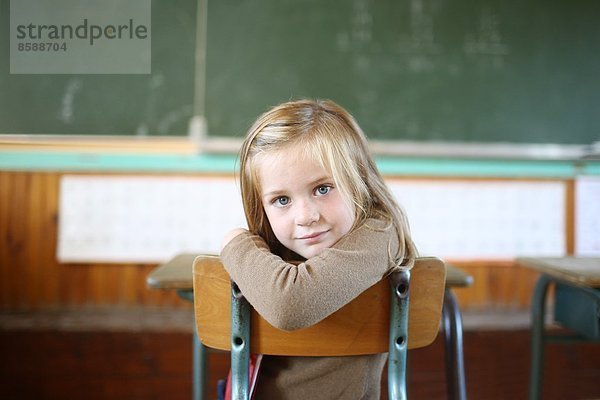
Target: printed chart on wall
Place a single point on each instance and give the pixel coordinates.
(144, 219)
(587, 216)
(151, 219)
(485, 220)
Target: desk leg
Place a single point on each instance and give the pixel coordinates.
(538, 311)
(199, 369)
(198, 356)
(455, 368)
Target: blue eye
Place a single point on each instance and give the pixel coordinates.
(322, 190)
(282, 201)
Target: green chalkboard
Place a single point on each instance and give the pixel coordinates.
(160, 103)
(428, 70)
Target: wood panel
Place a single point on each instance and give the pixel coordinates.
(31, 277)
(158, 365)
(496, 285)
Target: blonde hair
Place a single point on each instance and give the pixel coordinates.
(329, 135)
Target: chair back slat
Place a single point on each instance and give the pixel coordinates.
(360, 327)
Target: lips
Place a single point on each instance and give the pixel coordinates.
(312, 236)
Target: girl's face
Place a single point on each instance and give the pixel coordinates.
(306, 211)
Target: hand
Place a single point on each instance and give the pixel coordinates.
(230, 235)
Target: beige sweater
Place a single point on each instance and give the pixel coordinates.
(297, 296)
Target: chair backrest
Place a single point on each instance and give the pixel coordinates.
(360, 327)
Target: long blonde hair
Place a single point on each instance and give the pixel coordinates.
(329, 134)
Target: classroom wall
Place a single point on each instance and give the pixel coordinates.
(30, 275)
(32, 278)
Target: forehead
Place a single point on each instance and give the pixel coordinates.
(288, 168)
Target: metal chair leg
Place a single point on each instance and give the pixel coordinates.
(455, 368)
(538, 311)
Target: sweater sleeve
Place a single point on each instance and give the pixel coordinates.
(292, 296)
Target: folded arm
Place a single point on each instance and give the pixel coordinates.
(293, 296)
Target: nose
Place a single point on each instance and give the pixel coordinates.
(306, 213)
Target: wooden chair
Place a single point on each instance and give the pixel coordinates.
(381, 319)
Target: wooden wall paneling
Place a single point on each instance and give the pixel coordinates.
(129, 289)
(42, 200)
(96, 283)
(475, 296)
(11, 242)
(496, 285)
(31, 277)
(4, 250)
(501, 284)
(17, 243)
(73, 283)
(525, 279)
(42, 203)
(48, 273)
(158, 365)
(35, 234)
(570, 216)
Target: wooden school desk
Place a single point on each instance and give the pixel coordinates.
(176, 274)
(576, 306)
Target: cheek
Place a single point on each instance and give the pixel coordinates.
(349, 216)
(345, 215)
(276, 221)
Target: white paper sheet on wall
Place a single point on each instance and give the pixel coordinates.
(144, 219)
(485, 220)
(587, 216)
(151, 219)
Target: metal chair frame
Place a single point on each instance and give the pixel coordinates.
(398, 339)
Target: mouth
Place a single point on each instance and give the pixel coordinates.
(312, 236)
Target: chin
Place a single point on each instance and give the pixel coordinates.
(312, 252)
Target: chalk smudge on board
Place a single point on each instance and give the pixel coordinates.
(67, 110)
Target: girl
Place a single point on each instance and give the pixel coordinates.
(312, 192)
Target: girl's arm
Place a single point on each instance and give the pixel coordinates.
(292, 296)
(229, 236)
